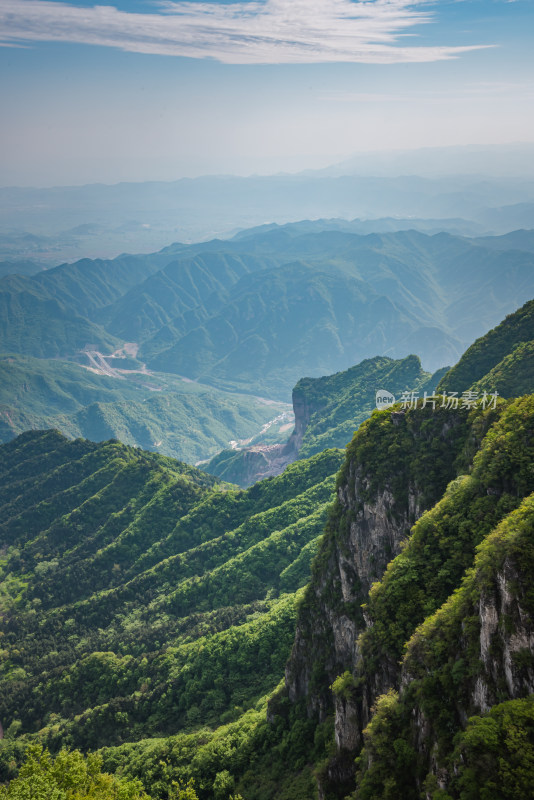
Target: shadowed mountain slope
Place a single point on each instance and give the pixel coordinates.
(257, 312)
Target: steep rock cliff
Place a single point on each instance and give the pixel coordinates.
(398, 465)
(304, 407)
(327, 412)
(474, 652)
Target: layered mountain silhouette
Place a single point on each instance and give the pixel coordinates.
(259, 312)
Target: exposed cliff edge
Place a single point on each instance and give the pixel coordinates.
(465, 666)
(397, 468)
(397, 465)
(327, 412)
(475, 655)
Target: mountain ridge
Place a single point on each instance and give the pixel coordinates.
(255, 314)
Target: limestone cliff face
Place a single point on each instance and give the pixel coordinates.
(456, 612)
(328, 633)
(303, 409)
(504, 644)
(250, 464)
(506, 631)
(371, 517)
(326, 641)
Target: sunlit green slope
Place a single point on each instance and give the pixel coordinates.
(140, 596)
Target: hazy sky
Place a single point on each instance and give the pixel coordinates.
(159, 90)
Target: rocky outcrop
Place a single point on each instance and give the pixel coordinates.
(303, 408)
(369, 521)
(326, 641)
(373, 532)
(250, 464)
(346, 727)
(506, 632)
(245, 467)
(505, 669)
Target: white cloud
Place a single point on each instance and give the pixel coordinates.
(268, 32)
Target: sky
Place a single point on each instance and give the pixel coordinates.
(138, 90)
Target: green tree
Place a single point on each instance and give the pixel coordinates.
(69, 776)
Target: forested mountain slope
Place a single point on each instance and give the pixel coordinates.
(378, 501)
(188, 290)
(33, 322)
(161, 413)
(146, 609)
(140, 597)
(501, 358)
(52, 313)
(144, 601)
(340, 666)
(360, 611)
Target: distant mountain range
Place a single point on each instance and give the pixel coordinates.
(258, 312)
(505, 160)
(57, 224)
